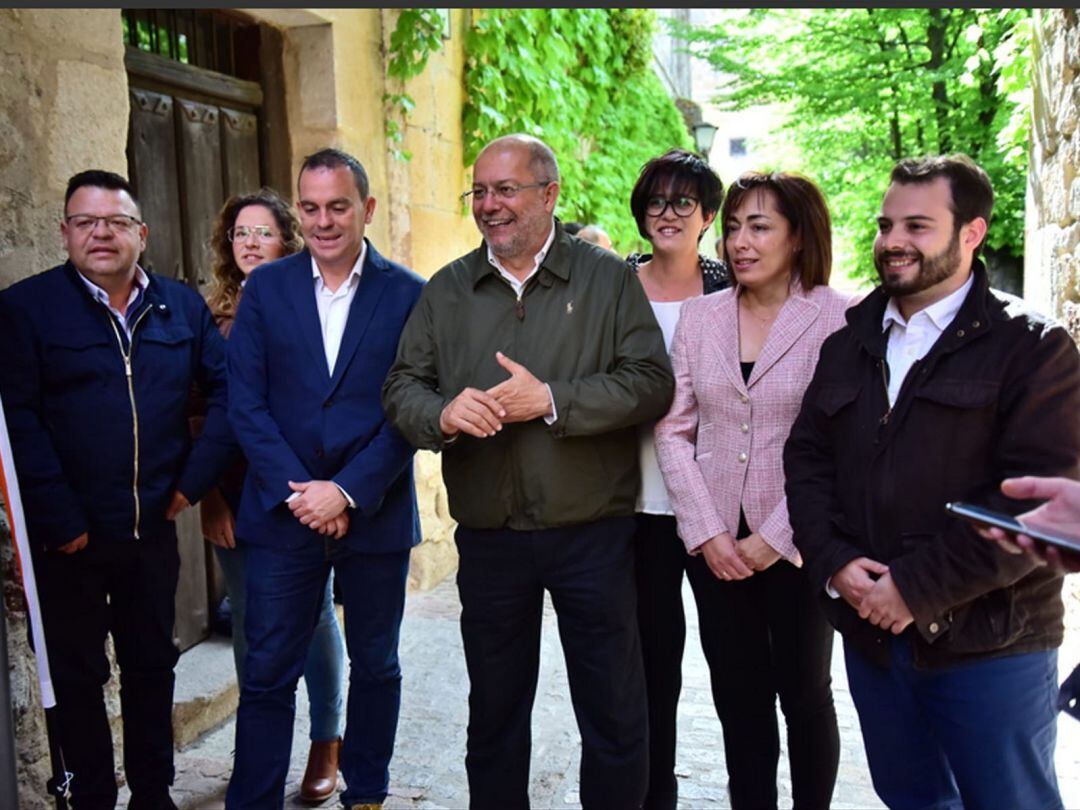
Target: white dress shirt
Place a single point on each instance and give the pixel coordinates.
(519, 287)
(333, 315)
(334, 306)
(911, 340)
(142, 281)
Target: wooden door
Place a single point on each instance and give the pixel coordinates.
(192, 142)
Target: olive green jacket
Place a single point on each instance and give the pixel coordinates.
(584, 326)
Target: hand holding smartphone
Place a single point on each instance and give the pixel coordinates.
(981, 516)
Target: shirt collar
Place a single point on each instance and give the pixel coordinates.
(141, 282)
(354, 274)
(941, 313)
(538, 259)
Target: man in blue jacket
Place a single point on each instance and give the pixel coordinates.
(98, 360)
(329, 481)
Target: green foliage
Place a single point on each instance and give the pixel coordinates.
(416, 36)
(865, 87)
(580, 79)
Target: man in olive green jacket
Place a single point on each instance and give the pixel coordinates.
(529, 362)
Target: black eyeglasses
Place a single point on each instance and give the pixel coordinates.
(683, 206)
(503, 191)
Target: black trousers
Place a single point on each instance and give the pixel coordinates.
(589, 571)
(125, 589)
(762, 637)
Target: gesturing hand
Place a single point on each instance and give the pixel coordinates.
(723, 560)
(474, 412)
(319, 502)
(522, 397)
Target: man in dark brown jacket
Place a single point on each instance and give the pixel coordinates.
(528, 362)
(936, 390)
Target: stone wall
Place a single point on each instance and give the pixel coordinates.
(63, 108)
(1052, 250)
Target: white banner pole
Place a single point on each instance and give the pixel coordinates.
(9, 488)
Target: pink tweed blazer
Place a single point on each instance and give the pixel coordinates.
(721, 443)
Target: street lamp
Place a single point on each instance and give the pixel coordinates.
(704, 134)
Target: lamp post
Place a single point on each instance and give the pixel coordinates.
(704, 134)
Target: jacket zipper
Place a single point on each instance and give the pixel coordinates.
(134, 412)
(885, 383)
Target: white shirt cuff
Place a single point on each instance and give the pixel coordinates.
(348, 497)
(551, 420)
(830, 590)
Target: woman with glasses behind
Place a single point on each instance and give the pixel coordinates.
(674, 201)
(742, 360)
(252, 230)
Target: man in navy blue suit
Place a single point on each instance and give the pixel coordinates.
(329, 482)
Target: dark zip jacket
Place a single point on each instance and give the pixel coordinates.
(98, 427)
(584, 326)
(997, 396)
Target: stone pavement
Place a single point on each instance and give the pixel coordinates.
(428, 771)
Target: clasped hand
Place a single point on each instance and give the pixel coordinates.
(729, 560)
(482, 414)
(320, 506)
(868, 587)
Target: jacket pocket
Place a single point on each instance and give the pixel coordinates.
(987, 623)
(965, 394)
(173, 336)
(952, 422)
(833, 398)
(703, 444)
(78, 359)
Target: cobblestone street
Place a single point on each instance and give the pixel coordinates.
(428, 770)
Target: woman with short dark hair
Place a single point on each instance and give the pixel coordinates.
(675, 200)
(742, 360)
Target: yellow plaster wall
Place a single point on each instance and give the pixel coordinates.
(336, 73)
(440, 232)
(335, 84)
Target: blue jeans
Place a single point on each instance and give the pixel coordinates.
(978, 736)
(285, 592)
(324, 671)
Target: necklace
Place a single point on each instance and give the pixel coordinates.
(758, 318)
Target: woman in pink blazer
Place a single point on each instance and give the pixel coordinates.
(742, 359)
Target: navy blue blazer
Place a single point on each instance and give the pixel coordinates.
(296, 422)
(74, 407)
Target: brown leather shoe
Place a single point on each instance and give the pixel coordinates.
(320, 778)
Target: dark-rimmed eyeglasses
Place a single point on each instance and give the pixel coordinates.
(264, 233)
(683, 206)
(117, 223)
(503, 191)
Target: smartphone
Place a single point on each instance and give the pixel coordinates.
(987, 517)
